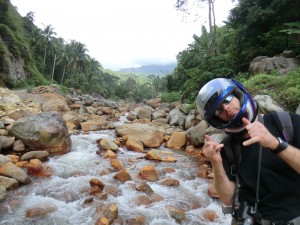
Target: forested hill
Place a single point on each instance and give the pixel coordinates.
(154, 69)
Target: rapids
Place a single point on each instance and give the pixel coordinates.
(68, 188)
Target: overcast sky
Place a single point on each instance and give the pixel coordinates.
(119, 33)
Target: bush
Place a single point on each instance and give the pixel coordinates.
(173, 96)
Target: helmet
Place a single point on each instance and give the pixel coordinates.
(211, 97)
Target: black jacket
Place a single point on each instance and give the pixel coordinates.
(279, 190)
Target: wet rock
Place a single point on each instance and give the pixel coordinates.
(37, 169)
(11, 170)
(117, 164)
(97, 182)
(39, 211)
(136, 221)
(111, 211)
(144, 187)
(169, 182)
(102, 221)
(176, 213)
(210, 215)
(109, 154)
(108, 145)
(122, 176)
(142, 200)
(8, 183)
(41, 155)
(2, 193)
(149, 173)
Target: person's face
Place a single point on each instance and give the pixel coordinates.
(229, 108)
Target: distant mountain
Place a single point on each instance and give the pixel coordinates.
(154, 69)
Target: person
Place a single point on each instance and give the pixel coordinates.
(266, 186)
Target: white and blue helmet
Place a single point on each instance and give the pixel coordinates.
(211, 97)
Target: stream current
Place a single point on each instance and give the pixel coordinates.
(68, 188)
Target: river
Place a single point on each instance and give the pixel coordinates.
(68, 188)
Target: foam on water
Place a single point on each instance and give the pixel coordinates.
(68, 188)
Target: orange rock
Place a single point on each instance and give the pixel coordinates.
(149, 173)
(210, 215)
(37, 169)
(39, 211)
(177, 140)
(97, 182)
(122, 176)
(13, 158)
(117, 164)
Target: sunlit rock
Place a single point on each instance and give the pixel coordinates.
(117, 164)
(177, 140)
(134, 144)
(149, 173)
(150, 136)
(107, 144)
(11, 170)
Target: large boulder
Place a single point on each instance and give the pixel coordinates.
(150, 136)
(43, 132)
(264, 64)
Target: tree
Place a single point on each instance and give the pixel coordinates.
(186, 5)
(48, 34)
(257, 26)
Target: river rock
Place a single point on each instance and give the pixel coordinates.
(8, 183)
(45, 131)
(150, 136)
(11, 170)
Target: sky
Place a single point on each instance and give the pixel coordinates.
(123, 33)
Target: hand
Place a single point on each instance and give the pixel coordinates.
(211, 150)
(259, 134)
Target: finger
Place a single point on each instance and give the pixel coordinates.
(219, 147)
(246, 121)
(250, 141)
(208, 138)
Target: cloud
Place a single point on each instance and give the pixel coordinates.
(121, 33)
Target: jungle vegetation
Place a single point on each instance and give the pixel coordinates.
(253, 28)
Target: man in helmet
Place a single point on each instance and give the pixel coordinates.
(268, 173)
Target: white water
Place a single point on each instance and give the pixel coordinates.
(67, 189)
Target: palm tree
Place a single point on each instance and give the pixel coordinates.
(48, 34)
(56, 46)
(64, 59)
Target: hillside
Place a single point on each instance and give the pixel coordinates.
(154, 69)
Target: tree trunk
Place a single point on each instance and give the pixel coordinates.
(53, 68)
(63, 75)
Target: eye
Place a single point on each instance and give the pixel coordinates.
(227, 100)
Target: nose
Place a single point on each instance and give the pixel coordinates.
(225, 106)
